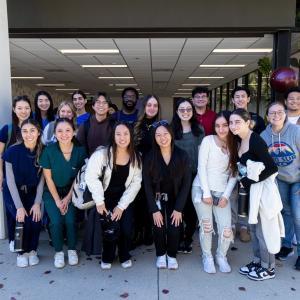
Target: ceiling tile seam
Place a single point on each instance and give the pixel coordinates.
(179, 55)
(197, 67)
(68, 58)
(121, 54)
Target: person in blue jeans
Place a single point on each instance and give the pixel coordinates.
(283, 140)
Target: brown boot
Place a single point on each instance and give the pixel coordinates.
(244, 235)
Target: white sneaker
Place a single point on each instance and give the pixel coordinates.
(126, 264)
(172, 263)
(59, 260)
(72, 257)
(208, 264)
(12, 246)
(22, 260)
(161, 262)
(224, 266)
(105, 266)
(33, 258)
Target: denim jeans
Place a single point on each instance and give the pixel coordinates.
(290, 212)
(223, 219)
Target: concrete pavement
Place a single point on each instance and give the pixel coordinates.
(143, 281)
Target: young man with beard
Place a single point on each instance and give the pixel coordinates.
(292, 102)
(96, 131)
(79, 100)
(128, 113)
(204, 115)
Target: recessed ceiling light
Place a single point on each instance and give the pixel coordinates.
(253, 50)
(27, 77)
(50, 84)
(125, 84)
(104, 66)
(206, 77)
(222, 66)
(89, 51)
(196, 84)
(67, 89)
(116, 77)
(185, 89)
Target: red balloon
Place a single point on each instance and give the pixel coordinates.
(283, 78)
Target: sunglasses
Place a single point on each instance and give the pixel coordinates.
(160, 123)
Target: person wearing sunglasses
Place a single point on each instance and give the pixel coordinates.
(167, 178)
(188, 136)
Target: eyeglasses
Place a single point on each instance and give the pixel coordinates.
(183, 110)
(160, 123)
(274, 113)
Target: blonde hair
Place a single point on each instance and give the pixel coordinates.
(71, 106)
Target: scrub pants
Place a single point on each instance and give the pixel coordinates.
(31, 231)
(58, 221)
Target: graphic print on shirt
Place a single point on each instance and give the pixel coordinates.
(282, 153)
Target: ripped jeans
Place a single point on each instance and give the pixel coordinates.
(223, 219)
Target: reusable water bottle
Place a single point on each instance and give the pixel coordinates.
(243, 203)
(19, 236)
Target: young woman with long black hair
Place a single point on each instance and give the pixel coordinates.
(61, 162)
(43, 108)
(23, 188)
(254, 149)
(120, 167)
(167, 178)
(9, 135)
(188, 136)
(216, 178)
(149, 114)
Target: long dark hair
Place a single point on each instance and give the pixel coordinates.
(155, 169)
(134, 156)
(231, 142)
(142, 116)
(39, 146)
(15, 119)
(176, 121)
(50, 111)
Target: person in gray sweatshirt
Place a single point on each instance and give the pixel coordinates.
(283, 140)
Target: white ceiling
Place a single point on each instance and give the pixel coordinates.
(158, 65)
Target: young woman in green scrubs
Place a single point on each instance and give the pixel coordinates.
(60, 162)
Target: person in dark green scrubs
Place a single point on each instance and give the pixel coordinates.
(60, 162)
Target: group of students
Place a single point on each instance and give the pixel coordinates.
(156, 179)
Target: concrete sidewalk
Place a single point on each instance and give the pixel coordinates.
(143, 281)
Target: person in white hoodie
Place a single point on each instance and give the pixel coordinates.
(120, 167)
(283, 140)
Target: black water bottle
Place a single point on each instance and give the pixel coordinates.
(243, 203)
(19, 230)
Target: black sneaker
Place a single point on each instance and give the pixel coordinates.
(184, 248)
(297, 264)
(261, 273)
(245, 270)
(284, 253)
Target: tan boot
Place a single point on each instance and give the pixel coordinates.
(244, 235)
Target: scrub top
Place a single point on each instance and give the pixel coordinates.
(63, 171)
(82, 118)
(23, 164)
(15, 135)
